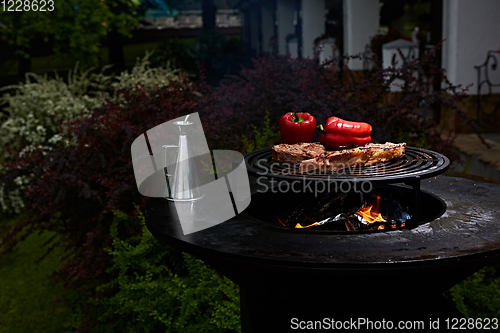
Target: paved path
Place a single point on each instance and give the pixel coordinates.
(481, 160)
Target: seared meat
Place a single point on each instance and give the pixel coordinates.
(369, 153)
(297, 152)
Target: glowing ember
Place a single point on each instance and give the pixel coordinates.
(366, 218)
(299, 226)
(339, 217)
(371, 213)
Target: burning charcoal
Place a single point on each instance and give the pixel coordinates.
(361, 219)
(297, 209)
(395, 207)
(341, 211)
(323, 204)
(332, 204)
(349, 225)
(308, 210)
(339, 217)
(401, 215)
(289, 217)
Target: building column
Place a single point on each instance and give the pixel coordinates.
(361, 23)
(471, 30)
(313, 24)
(285, 12)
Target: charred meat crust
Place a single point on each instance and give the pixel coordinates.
(367, 154)
(295, 153)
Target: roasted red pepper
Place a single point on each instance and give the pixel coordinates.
(339, 133)
(297, 127)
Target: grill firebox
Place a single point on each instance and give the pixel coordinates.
(289, 208)
(415, 165)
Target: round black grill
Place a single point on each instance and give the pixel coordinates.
(416, 162)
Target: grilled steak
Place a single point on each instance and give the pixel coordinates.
(297, 152)
(369, 153)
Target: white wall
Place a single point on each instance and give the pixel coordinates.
(361, 22)
(471, 28)
(313, 24)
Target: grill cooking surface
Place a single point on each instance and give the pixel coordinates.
(416, 162)
(467, 232)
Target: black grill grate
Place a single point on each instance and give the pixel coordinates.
(416, 163)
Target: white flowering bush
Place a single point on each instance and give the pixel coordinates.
(34, 111)
(142, 73)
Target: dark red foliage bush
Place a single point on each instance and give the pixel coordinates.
(76, 188)
(281, 84)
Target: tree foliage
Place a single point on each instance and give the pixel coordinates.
(76, 27)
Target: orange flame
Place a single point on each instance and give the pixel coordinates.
(281, 222)
(309, 218)
(299, 226)
(371, 213)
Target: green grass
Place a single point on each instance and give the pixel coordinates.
(29, 299)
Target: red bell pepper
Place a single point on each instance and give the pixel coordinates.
(297, 127)
(339, 133)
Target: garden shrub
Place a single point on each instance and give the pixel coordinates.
(34, 111)
(263, 138)
(159, 289)
(76, 187)
(478, 296)
(281, 84)
(148, 77)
